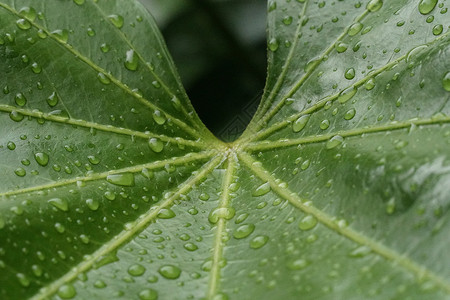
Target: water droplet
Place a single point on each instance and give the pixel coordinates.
(370, 84)
(23, 279)
(190, 246)
(93, 204)
(104, 47)
(59, 203)
(350, 114)
(53, 99)
(156, 84)
(415, 52)
(390, 206)
(259, 241)
(262, 190)
(349, 73)
(204, 196)
(426, 6)
(307, 223)
(136, 270)
(117, 20)
(123, 179)
(61, 34)
(79, 2)
(23, 24)
(341, 47)
(300, 123)
(347, 94)
(298, 264)
(20, 172)
(60, 228)
(355, 29)
(166, 213)
(159, 118)
(20, 99)
(41, 158)
(273, 44)
(90, 31)
(287, 20)
(243, 231)
(437, 29)
(324, 124)
(335, 141)
(37, 270)
(221, 212)
(103, 78)
(360, 251)
(374, 5)
(67, 291)
(148, 294)
(131, 60)
(170, 271)
(446, 82)
(11, 146)
(28, 12)
(94, 159)
(156, 144)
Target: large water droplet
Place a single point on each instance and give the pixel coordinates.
(347, 94)
(131, 60)
(170, 271)
(350, 114)
(426, 6)
(156, 144)
(446, 82)
(136, 270)
(259, 241)
(159, 118)
(117, 20)
(53, 99)
(59, 203)
(221, 212)
(243, 231)
(335, 141)
(67, 291)
(307, 223)
(374, 5)
(28, 12)
(349, 73)
(300, 123)
(355, 29)
(273, 45)
(123, 179)
(61, 34)
(148, 294)
(20, 172)
(262, 190)
(23, 24)
(20, 99)
(166, 213)
(41, 158)
(93, 204)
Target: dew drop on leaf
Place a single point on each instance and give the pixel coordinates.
(307, 223)
(350, 114)
(355, 29)
(148, 294)
(297, 264)
(20, 99)
(28, 12)
(53, 99)
(67, 291)
(221, 212)
(374, 5)
(20, 172)
(59, 203)
(335, 141)
(243, 231)
(131, 60)
(23, 279)
(41, 158)
(426, 6)
(261, 190)
(23, 24)
(103, 78)
(324, 124)
(259, 241)
(446, 82)
(300, 123)
(136, 270)
(347, 94)
(156, 144)
(166, 213)
(159, 118)
(117, 20)
(170, 271)
(273, 44)
(123, 179)
(349, 73)
(93, 204)
(61, 34)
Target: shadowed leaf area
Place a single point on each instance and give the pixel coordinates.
(112, 187)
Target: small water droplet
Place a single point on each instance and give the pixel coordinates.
(11, 145)
(20, 99)
(190, 246)
(93, 204)
(23, 24)
(37, 270)
(61, 34)
(67, 291)
(446, 81)
(370, 84)
(148, 294)
(297, 264)
(221, 212)
(347, 94)
(104, 47)
(20, 172)
(170, 271)
(350, 114)
(94, 159)
(261, 190)
(307, 223)
(166, 213)
(41, 158)
(355, 29)
(360, 251)
(243, 231)
(426, 6)
(53, 99)
(123, 179)
(156, 144)
(335, 141)
(60, 228)
(59, 203)
(136, 270)
(259, 241)
(23, 279)
(159, 118)
(28, 12)
(300, 123)
(273, 45)
(103, 78)
(131, 60)
(79, 2)
(117, 20)
(341, 47)
(324, 124)
(349, 73)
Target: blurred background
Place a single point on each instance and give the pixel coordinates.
(219, 48)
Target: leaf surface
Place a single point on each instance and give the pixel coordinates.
(113, 188)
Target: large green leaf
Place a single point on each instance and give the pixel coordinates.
(113, 189)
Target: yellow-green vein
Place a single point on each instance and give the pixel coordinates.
(125, 235)
(267, 145)
(96, 176)
(413, 267)
(101, 127)
(214, 279)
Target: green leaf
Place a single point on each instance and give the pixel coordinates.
(112, 187)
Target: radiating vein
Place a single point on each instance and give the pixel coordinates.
(310, 70)
(116, 81)
(100, 127)
(140, 224)
(267, 102)
(267, 145)
(190, 157)
(329, 221)
(321, 103)
(214, 279)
